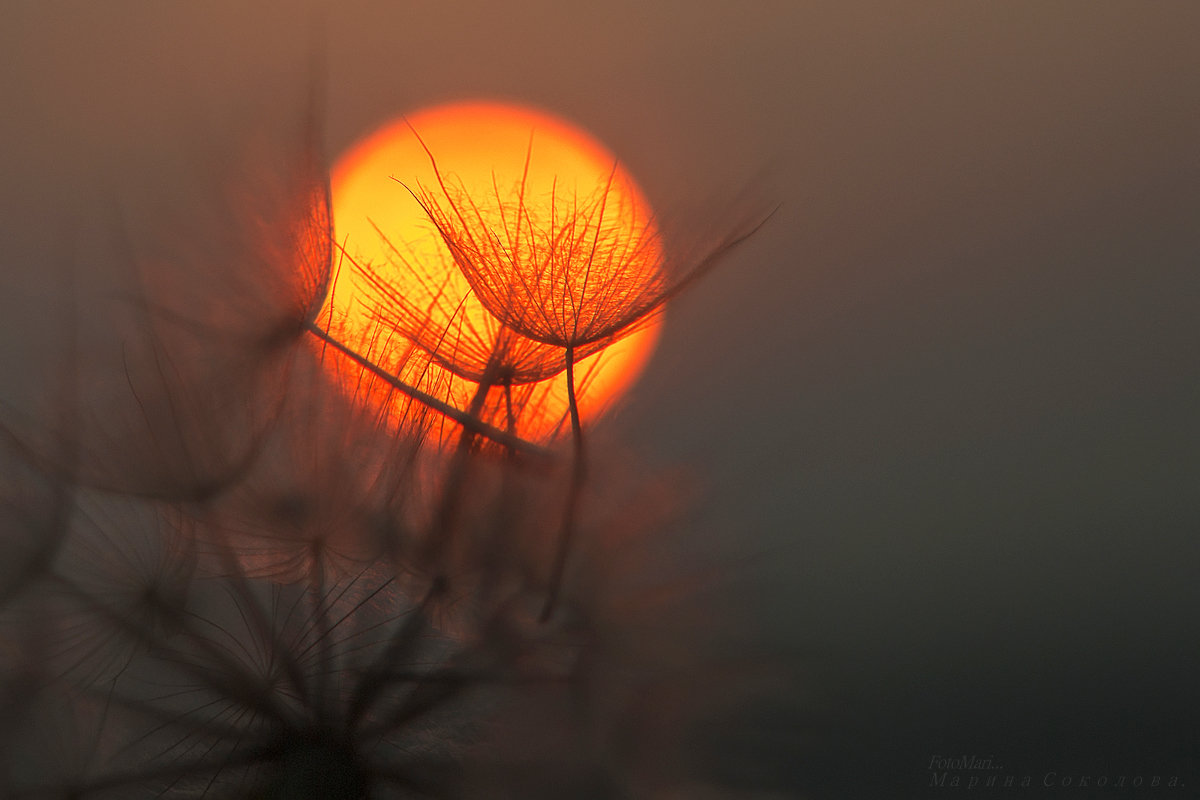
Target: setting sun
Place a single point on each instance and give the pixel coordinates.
(417, 300)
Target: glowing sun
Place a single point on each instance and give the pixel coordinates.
(528, 181)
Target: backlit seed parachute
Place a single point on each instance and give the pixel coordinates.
(436, 309)
(575, 272)
(435, 325)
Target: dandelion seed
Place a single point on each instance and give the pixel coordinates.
(332, 488)
(122, 556)
(579, 273)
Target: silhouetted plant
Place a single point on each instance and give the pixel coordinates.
(229, 570)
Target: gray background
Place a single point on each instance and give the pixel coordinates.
(944, 407)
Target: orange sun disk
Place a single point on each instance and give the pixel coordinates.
(400, 299)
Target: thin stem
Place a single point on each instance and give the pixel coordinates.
(578, 472)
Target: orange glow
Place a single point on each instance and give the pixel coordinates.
(400, 298)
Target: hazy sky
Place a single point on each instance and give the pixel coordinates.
(945, 403)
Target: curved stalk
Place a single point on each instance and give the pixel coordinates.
(578, 473)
